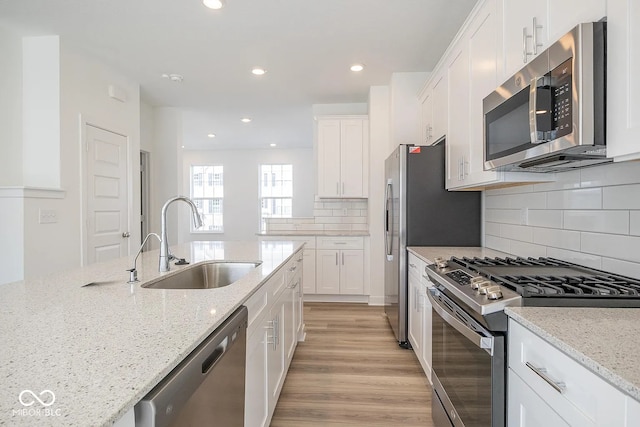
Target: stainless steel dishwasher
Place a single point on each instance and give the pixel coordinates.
(205, 389)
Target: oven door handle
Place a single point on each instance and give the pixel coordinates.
(485, 343)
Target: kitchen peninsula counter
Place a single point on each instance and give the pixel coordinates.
(100, 348)
(604, 340)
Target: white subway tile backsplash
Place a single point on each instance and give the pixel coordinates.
(588, 198)
(516, 232)
(525, 249)
(545, 218)
(625, 248)
(616, 222)
(624, 268)
(337, 227)
(505, 216)
(564, 181)
(492, 228)
(359, 227)
(562, 239)
(621, 197)
(587, 260)
(512, 190)
(500, 201)
(611, 174)
(497, 243)
(634, 223)
(528, 200)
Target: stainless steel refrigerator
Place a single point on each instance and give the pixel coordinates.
(420, 212)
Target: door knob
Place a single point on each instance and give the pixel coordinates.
(126, 234)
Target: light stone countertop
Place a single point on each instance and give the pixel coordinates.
(337, 233)
(604, 340)
(428, 253)
(101, 348)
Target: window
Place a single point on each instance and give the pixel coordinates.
(276, 192)
(207, 194)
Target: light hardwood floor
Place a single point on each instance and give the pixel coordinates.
(350, 371)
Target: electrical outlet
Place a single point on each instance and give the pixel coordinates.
(524, 216)
(48, 216)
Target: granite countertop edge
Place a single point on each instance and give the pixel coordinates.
(328, 233)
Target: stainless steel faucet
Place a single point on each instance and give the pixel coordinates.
(165, 256)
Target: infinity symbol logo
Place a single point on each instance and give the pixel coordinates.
(28, 398)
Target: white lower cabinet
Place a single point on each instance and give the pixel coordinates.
(340, 266)
(548, 388)
(275, 324)
(419, 310)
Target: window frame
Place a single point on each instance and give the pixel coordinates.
(270, 176)
(210, 202)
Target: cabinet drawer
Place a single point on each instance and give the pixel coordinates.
(570, 389)
(256, 305)
(339, 242)
(415, 266)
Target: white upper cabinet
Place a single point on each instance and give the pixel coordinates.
(531, 25)
(457, 144)
(525, 32)
(623, 87)
(433, 123)
(342, 156)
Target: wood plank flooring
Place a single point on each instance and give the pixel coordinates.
(350, 371)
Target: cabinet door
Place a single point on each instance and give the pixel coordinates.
(457, 146)
(309, 271)
(415, 315)
(290, 322)
(352, 272)
(426, 119)
(623, 85)
(518, 32)
(439, 108)
(276, 354)
(256, 408)
(426, 330)
(566, 14)
(483, 56)
(327, 271)
(328, 152)
(526, 408)
(352, 140)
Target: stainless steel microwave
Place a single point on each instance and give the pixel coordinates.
(550, 116)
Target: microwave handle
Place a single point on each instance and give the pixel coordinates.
(533, 109)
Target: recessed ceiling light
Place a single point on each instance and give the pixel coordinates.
(173, 77)
(183, 146)
(357, 67)
(214, 4)
(272, 145)
(211, 135)
(258, 71)
(245, 119)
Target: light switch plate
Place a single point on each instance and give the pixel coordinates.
(48, 216)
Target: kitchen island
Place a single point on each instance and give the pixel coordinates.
(92, 352)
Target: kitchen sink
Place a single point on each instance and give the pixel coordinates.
(205, 275)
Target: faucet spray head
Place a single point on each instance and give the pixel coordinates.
(197, 219)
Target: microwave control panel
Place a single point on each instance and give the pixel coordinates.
(561, 78)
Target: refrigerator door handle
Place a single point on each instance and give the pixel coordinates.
(388, 241)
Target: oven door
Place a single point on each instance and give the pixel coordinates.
(468, 369)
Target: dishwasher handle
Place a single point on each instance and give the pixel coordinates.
(214, 357)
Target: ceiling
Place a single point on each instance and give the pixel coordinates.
(306, 46)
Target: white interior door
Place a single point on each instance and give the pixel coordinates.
(107, 198)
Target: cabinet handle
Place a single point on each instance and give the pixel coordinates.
(558, 386)
(524, 44)
(336, 258)
(536, 27)
(337, 188)
(343, 188)
(412, 265)
(343, 258)
(273, 336)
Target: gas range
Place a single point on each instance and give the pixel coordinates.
(488, 285)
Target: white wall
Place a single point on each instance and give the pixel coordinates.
(241, 210)
(405, 107)
(379, 149)
(82, 87)
(10, 109)
(589, 216)
(331, 109)
(11, 236)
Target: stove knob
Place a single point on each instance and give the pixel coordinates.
(494, 292)
(483, 286)
(476, 281)
(441, 263)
